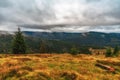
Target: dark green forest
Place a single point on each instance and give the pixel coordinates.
(43, 42)
(34, 45)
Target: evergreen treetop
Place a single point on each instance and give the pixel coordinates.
(19, 46)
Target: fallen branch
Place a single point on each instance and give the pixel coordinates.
(106, 67)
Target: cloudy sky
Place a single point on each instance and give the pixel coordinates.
(60, 15)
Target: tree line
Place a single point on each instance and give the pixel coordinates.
(19, 46)
(110, 52)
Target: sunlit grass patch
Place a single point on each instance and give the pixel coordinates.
(56, 67)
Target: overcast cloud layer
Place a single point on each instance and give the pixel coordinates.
(60, 15)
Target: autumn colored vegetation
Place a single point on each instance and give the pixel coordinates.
(57, 67)
(19, 65)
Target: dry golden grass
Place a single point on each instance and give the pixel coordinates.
(56, 67)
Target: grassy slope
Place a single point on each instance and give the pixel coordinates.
(56, 67)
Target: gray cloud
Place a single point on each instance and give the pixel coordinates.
(93, 0)
(5, 3)
(59, 15)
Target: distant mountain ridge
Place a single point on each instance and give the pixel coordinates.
(83, 39)
(61, 41)
(88, 38)
(4, 32)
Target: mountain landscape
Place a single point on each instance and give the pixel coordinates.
(83, 39)
(62, 42)
(59, 39)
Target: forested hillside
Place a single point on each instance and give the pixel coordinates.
(60, 42)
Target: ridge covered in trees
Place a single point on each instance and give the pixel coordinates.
(42, 42)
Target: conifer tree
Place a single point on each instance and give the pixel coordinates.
(108, 52)
(19, 46)
(74, 51)
(116, 51)
(43, 47)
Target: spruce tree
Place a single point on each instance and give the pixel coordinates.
(74, 51)
(43, 47)
(108, 52)
(19, 46)
(116, 51)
